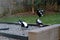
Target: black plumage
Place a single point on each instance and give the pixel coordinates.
(40, 12)
(39, 22)
(23, 24)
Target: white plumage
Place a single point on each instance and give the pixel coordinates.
(23, 24)
(39, 21)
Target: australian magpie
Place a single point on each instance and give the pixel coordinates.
(39, 22)
(23, 24)
(40, 12)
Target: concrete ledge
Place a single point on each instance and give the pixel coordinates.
(16, 23)
(46, 33)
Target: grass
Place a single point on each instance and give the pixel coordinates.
(47, 19)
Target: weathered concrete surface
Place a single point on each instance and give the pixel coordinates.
(14, 30)
(34, 33)
(47, 33)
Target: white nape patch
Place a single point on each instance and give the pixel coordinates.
(39, 21)
(25, 24)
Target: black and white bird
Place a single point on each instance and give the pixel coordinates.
(23, 24)
(40, 12)
(39, 22)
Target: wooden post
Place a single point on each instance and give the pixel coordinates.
(33, 6)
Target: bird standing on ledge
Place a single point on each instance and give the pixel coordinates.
(23, 24)
(38, 21)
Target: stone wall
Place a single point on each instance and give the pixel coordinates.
(47, 33)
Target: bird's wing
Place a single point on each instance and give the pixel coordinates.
(39, 21)
(25, 24)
